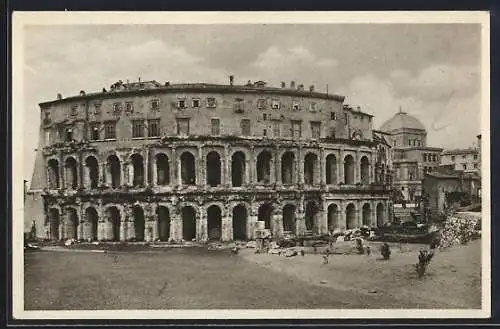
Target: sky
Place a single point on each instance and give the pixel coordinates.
(431, 71)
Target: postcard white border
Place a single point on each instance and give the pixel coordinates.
(21, 19)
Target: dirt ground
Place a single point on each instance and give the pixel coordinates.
(194, 278)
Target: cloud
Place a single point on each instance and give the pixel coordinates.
(451, 122)
(438, 82)
(274, 58)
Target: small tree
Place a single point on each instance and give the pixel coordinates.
(359, 246)
(424, 258)
(385, 250)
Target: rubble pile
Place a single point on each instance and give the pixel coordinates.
(458, 229)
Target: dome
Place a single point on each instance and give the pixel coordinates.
(402, 120)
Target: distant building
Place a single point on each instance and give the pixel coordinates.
(412, 158)
(445, 186)
(467, 160)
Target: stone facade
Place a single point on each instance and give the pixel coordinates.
(150, 162)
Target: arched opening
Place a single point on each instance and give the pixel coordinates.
(365, 170)
(163, 223)
(92, 170)
(366, 215)
(53, 224)
(380, 215)
(240, 215)
(70, 168)
(114, 170)
(350, 213)
(53, 168)
(264, 167)
(71, 227)
(114, 218)
(349, 170)
(289, 218)
(138, 165)
(213, 169)
(188, 223)
(288, 168)
(162, 169)
(214, 223)
(331, 169)
(139, 223)
(311, 169)
(311, 212)
(334, 218)
(238, 168)
(265, 214)
(93, 220)
(188, 169)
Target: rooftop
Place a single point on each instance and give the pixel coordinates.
(153, 86)
(469, 150)
(402, 120)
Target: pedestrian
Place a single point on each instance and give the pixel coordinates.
(368, 250)
(325, 259)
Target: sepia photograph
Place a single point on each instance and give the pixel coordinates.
(251, 165)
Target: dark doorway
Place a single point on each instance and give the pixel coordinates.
(54, 222)
(163, 223)
(238, 168)
(240, 222)
(289, 218)
(333, 218)
(380, 215)
(350, 213)
(114, 217)
(188, 223)
(139, 223)
(93, 220)
(72, 229)
(213, 169)
(214, 223)
(265, 214)
(310, 215)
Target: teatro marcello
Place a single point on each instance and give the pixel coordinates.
(149, 161)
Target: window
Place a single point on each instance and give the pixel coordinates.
(196, 103)
(333, 116)
(346, 118)
(129, 107)
(46, 120)
(68, 134)
(475, 165)
(452, 158)
(275, 104)
(110, 130)
(261, 103)
(183, 126)
(245, 127)
(155, 105)
(47, 137)
(264, 116)
(464, 165)
(94, 132)
(74, 110)
(215, 124)
(425, 157)
(276, 129)
(211, 102)
(97, 108)
(418, 143)
(295, 106)
(181, 103)
(117, 108)
(312, 106)
(475, 156)
(137, 128)
(154, 128)
(316, 129)
(296, 129)
(434, 157)
(238, 106)
(264, 132)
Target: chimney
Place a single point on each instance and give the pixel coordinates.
(82, 93)
(231, 80)
(59, 96)
(300, 87)
(311, 88)
(292, 84)
(283, 84)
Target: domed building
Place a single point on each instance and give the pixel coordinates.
(412, 158)
(145, 161)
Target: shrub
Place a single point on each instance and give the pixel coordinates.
(424, 258)
(385, 250)
(359, 246)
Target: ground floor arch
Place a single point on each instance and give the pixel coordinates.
(71, 224)
(350, 213)
(380, 214)
(214, 223)
(53, 224)
(188, 215)
(139, 223)
(163, 222)
(115, 221)
(240, 217)
(334, 222)
(265, 214)
(311, 211)
(289, 218)
(366, 215)
(92, 223)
